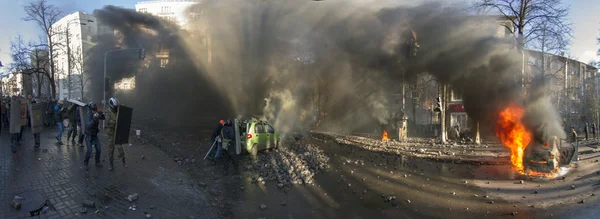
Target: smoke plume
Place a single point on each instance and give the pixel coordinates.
(298, 62)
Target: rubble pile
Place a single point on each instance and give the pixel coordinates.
(297, 161)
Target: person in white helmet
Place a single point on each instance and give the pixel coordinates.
(112, 127)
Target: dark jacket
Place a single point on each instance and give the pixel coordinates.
(216, 132)
(91, 123)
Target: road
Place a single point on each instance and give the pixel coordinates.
(363, 178)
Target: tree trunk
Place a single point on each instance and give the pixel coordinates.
(442, 95)
(477, 138)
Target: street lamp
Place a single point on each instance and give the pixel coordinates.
(142, 51)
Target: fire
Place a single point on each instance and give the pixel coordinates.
(513, 134)
(385, 137)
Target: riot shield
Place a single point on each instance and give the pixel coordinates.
(23, 112)
(15, 116)
(82, 112)
(76, 102)
(36, 110)
(124, 115)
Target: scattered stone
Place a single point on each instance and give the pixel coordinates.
(283, 204)
(132, 197)
(16, 202)
(491, 202)
(143, 157)
(89, 204)
(148, 215)
(572, 187)
(521, 182)
(466, 182)
(514, 213)
(263, 206)
(202, 184)
(349, 184)
(408, 200)
(280, 185)
(582, 201)
(453, 193)
(44, 150)
(152, 207)
(97, 211)
(83, 210)
(593, 194)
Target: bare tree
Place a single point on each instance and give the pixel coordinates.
(44, 15)
(531, 18)
(79, 64)
(31, 59)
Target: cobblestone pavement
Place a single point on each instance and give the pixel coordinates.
(56, 172)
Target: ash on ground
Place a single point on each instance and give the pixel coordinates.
(297, 161)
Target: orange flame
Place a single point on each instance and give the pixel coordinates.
(513, 134)
(385, 137)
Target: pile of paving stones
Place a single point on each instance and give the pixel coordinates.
(297, 161)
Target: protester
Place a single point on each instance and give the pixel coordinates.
(111, 115)
(58, 119)
(92, 120)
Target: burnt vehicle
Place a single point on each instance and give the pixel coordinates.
(548, 157)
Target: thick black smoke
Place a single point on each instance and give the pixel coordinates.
(293, 62)
(176, 95)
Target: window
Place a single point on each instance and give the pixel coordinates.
(455, 96)
(165, 9)
(164, 63)
(143, 10)
(270, 129)
(259, 128)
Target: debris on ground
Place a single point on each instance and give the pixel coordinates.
(263, 206)
(296, 162)
(16, 202)
(83, 210)
(89, 204)
(132, 197)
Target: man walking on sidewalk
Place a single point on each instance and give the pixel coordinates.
(111, 114)
(92, 120)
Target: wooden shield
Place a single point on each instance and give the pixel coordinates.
(23, 112)
(36, 111)
(123, 125)
(15, 116)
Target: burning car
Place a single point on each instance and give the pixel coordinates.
(547, 157)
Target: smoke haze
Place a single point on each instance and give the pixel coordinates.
(295, 61)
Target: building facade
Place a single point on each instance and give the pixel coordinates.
(172, 10)
(73, 38)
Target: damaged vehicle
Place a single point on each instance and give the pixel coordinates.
(548, 157)
(254, 135)
(257, 135)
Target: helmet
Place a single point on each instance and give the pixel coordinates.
(222, 122)
(92, 105)
(113, 102)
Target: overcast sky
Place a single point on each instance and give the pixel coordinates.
(584, 16)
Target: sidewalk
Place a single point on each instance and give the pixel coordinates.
(56, 172)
